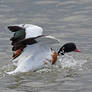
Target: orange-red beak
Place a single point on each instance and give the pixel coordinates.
(76, 50)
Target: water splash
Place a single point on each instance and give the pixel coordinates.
(4, 69)
(68, 61)
(65, 62)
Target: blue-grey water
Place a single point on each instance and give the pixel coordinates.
(67, 20)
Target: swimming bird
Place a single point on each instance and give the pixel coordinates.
(31, 50)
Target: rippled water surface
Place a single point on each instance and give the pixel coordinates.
(67, 20)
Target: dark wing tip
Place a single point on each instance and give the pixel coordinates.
(14, 28)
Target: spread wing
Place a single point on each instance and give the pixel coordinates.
(24, 34)
(47, 40)
(42, 40)
(27, 34)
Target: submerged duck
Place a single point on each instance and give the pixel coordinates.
(32, 49)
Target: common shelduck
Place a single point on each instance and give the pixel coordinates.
(30, 48)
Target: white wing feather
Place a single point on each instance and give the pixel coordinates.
(32, 30)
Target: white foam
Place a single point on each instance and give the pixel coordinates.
(67, 61)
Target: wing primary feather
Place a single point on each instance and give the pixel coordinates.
(15, 28)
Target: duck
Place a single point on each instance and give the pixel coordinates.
(32, 50)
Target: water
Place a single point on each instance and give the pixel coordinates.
(67, 20)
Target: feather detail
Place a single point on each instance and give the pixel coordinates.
(15, 28)
(17, 53)
(54, 57)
